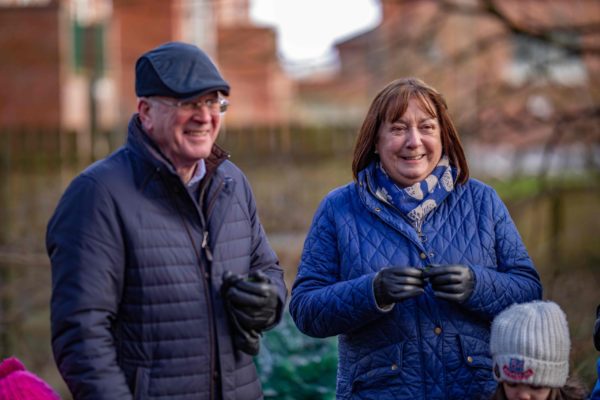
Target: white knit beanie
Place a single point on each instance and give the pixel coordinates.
(530, 344)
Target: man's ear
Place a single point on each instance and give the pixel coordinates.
(144, 109)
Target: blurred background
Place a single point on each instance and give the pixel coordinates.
(521, 78)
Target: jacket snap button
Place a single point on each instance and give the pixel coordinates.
(377, 209)
(437, 330)
(469, 359)
(394, 367)
(423, 256)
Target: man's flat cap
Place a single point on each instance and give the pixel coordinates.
(177, 70)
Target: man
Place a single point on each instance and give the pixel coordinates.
(162, 275)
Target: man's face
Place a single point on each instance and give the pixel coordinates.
(184, 133)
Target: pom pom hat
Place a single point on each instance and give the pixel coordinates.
(16, 383)
(530, 344)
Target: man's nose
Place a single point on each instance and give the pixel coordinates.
(202, 113)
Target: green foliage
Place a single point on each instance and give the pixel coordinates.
(293, 366)
(530, 187)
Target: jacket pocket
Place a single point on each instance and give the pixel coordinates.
(475, 353)
(380, 376)
(142, 380)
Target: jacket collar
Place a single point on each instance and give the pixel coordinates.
(383, 211)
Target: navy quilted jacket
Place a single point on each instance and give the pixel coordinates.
(136, 310)
(424, 348)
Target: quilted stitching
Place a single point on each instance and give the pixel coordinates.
(160, 323)
(353, 235)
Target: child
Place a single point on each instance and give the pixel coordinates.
(16, 383)
(530, 347)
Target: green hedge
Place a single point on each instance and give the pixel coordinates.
(293, 366)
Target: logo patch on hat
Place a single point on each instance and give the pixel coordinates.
(516, 370)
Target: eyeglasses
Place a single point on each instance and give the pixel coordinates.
(214, 105)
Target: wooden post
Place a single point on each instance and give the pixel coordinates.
(5, 277)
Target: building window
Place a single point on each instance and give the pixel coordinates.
(88, 48)
(543, 62)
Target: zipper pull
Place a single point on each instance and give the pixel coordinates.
(206, 247)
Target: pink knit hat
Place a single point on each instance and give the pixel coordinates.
(16, 383)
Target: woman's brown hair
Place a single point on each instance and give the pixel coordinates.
(389, 105)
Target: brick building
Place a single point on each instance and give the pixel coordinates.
(490, 72)
(77, 57)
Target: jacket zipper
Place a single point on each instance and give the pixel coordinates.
(205, 244)
(208, 287)
(205, 276)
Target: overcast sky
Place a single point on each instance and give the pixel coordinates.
(308, 28)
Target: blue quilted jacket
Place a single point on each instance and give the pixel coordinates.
(595, 395)
(136, 271)
(424, 348)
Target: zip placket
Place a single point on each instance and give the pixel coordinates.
(207, 279)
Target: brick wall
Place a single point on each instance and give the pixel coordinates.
(260, 91)
(30, 66)
(138, 26)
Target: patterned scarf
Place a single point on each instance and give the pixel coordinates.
(420, 199)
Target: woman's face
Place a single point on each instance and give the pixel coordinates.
(520, 391)
(411, 147)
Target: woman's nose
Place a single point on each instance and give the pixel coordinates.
(413, 137)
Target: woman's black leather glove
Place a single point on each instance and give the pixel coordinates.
(394, 284)
(451, 282)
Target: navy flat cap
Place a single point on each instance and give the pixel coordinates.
(177, 70)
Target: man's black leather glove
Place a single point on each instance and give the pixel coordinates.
(252, 305)
(394, 284)
(451, 282)
(254, 301)
(597, 329)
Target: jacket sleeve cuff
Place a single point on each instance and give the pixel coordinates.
(384, 309)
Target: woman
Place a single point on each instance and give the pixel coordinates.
(410, 263)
